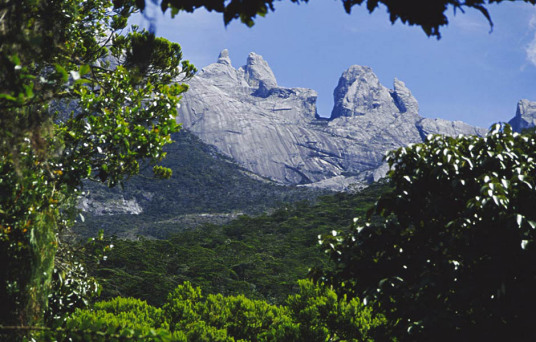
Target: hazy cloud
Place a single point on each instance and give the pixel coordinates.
(531, 47)
(470, 22)
(531, 50)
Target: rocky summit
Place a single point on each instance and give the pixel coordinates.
(525, 116)
(276, 133)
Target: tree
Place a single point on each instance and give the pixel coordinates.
(453, 258)
(313, 314)
(80, 98)
(428, 14)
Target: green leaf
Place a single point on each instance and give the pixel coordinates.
(84, 69)
(8, 97)
(28, 89)
(63, 73)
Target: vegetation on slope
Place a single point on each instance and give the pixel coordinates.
(261, 257)
(205, 187)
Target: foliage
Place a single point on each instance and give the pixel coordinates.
(429, 15)
(79, 99)
(29, 215)
(314, 314)
(72, 287)
(119, 319)
(454, 257)
(322, 315)
(261, 257)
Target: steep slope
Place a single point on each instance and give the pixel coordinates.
(525, 116)
(275, 132)
(206, 187)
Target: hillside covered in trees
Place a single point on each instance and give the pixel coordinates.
(205, 187)
(261, 257)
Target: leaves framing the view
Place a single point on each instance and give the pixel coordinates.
(454, 258)
(430, 15)
(80, 99)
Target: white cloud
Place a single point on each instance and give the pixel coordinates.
(531, 51)
(531, 47)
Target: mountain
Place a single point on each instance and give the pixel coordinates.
(206, 187)
(275, 132)
(525, 116)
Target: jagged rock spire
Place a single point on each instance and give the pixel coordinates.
(359, 92)
(257, 70)
(525, 116)
(404, 100)
(273, 131)
(223, 58)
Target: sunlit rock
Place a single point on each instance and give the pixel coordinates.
(275, 132)
(525, 116)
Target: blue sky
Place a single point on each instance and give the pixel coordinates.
(470, 74)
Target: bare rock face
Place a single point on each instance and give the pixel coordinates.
(275, 132)
(257, 71)
(359, 92)
(403, 98)
(525, 116)
(223, 58)
(112, 204)
(451, 128)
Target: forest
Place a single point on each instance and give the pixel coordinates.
(441, 250)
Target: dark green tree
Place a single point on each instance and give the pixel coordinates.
(454, 258)
(81, 98)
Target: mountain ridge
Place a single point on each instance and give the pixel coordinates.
(276, 132)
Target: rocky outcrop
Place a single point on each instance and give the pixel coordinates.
(403, 98)
(359, 92)
(275, 131)
(258, 72)
(525, 116)
(112, 204)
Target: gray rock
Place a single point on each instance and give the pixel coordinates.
(257, 71)
(359, 92)
(112, 205)
(525, 116)
(403, 98)
(451, 128)
(224, 57)
(275, 132)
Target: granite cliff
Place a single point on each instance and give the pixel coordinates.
(275, 132)
(525, 116)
